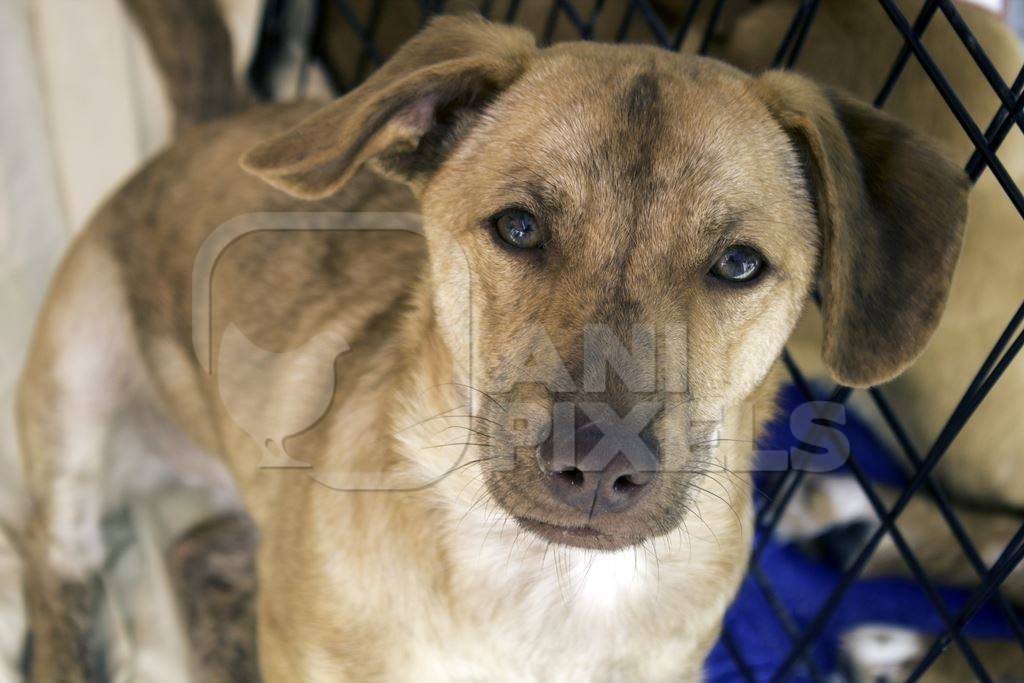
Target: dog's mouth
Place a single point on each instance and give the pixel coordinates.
(584, 536)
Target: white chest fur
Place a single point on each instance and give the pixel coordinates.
(528, 611)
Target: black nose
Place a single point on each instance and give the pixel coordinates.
(597, 481)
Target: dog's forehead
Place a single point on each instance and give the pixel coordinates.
(633, 111)
(638, 92)
(633, 129)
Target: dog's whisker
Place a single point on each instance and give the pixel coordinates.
(719, 439)
(498, 516)
(480, 498)
(462, 491)
(727, 503)
(476, 461)
(437, 416)
(742, 479)
(684, 533)
(478, 432)
(449, 426)
(457, 443)
(696, 513)
(483, 393)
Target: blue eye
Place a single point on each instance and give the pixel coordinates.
(518, 228)
(739, 263)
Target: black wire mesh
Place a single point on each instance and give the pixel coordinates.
(672, 24)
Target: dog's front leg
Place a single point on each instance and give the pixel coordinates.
(61, 614)
(81, 366)
(64, 553)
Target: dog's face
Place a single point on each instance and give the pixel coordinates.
(635, 233)
(636, 259)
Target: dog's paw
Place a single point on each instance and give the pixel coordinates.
(65, 642)
(213, 570)
(823, 505)
(880, 654)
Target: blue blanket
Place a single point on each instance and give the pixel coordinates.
(803, 585)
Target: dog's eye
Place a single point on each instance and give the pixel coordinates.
(518, 228)
(739, 263)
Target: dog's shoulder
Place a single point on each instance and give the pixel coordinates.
(193, 227)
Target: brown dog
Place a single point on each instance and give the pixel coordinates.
(583, 207)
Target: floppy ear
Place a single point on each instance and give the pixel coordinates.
(891, 209)
(406, 116)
